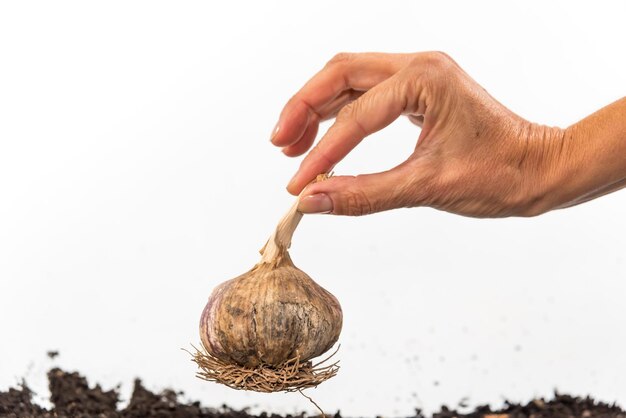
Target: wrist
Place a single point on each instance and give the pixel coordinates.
(564, 167)
(546, 168)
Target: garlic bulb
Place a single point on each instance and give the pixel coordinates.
(269, 315)
(267, 320)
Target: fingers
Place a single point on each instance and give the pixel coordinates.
(373, 111)
(305, 141)
(324, 94)
(329, 111)
(362, 195)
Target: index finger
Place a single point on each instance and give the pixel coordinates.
(373, 111)
(359, 72)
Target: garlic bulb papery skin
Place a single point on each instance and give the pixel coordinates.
(274, 312)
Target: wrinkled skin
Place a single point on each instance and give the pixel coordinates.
(473, 157)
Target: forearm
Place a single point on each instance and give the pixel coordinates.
(592, 157)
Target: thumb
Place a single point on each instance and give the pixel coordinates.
(360, 195)
(373, 111)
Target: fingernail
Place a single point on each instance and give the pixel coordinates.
(292, 182)
(275, 132)
(317, 203)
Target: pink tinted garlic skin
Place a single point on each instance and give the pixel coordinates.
(271, 314)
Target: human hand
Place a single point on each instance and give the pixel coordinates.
(473, 156)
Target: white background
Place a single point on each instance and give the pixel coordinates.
(136, 174)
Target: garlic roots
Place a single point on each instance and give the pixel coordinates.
(260, 330)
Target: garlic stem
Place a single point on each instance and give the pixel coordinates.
(280, 241)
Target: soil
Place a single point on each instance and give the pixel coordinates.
(73, 398)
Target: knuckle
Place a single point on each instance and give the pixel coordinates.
(320, 154)
(428, 73)
(357, 204)
(354, 202)
(349, 115)
(439, 59)
(348, 111)
(436, 60)
(340, 58)
(441, 56)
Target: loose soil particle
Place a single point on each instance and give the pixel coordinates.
(73, 398)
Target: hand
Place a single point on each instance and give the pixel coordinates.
(473, 156)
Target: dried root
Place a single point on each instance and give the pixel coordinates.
(291, 376)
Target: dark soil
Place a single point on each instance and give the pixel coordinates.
(73, 398)
(560, 406)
